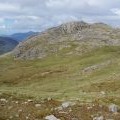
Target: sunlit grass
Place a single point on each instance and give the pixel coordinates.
(60, 76)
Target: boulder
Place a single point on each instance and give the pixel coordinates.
(98, 118)
(51, 117)
(113, 108)
(67, 104)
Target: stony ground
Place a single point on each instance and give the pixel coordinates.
(12, 108)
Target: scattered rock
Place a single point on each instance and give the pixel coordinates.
(16, 102)
(11, 117)
(62, 112)
(10, 107)
(98, 118)
(70, 110)
(66, 110)
(20, 110)
(49, 98)
(75, 119)
(113, 108)
(30, 100)
(51, 117)
(3, 100)
(25, 103)
(67, 104)
(89, 107)
(17, 115)
(59, 108)
(37, 105)
(27, 117)
(103, 92)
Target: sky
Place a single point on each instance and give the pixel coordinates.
(38, 15)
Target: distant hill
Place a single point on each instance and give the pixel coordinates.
(22, 36)
(7, 44)
(72, 38)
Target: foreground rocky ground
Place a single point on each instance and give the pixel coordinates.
(12, 108)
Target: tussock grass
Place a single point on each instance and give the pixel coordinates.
(60, 76)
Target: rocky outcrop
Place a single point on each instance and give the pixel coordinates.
(73, 27)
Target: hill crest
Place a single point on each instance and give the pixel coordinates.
(71, 36)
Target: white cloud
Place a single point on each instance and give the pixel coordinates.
(1, 20)
(2, 26)
(21, 15)
(66, 5)
(8, 7)
(59, 19)
(116, 11)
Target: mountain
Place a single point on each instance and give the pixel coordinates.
(76, 37)
(23, 36)
(7, 44)
(74, 62)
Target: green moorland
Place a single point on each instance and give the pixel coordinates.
(64, 77)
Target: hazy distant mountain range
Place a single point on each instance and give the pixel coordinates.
(7, 44)
(22, 36)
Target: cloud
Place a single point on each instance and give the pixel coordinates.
(8, 7)
(25, 15)
(116, 11)
(2, 26)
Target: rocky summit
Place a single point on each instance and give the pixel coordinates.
(78, 37)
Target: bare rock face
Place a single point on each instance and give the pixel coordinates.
(73, 36)
(73, 27)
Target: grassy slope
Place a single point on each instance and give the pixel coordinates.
(62, 77)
